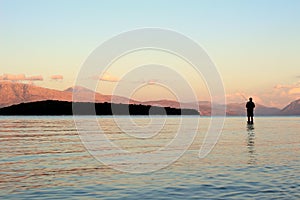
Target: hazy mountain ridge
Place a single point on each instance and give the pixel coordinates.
(16, 93)
(292, 109)
(238, 109)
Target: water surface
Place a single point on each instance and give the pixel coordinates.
(43, 158)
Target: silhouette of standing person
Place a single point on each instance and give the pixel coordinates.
(250, 107)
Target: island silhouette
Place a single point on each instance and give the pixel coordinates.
(53, 107)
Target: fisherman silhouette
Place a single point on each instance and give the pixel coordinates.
(250, 106)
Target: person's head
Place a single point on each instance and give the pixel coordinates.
(250, 99)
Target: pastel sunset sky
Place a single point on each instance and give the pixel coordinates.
(254, 44)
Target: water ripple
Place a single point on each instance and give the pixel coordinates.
(44, 159)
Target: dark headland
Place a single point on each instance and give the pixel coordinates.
(52, 107)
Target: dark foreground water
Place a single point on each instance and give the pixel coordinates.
(43, 158)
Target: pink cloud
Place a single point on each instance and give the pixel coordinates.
(280, 95)
(294, 91)
(13, 77)
(236, 97)
(34, 78)
(20, 77)
(279, 86)
(240, 97)
(151, 82)
(57, 77)
(107, 77)
(290, 86)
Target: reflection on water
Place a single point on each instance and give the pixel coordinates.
(251, 144)
(43, 157)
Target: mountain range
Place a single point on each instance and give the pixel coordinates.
(15, 93)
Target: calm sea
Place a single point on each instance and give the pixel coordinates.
(44, 158)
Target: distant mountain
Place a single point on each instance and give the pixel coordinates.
(51, 107)
(292, 109)
(78, 89)
(204, 108)
(87, 95)
(239, 109)
(16, 93)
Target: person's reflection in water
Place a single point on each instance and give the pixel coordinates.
(251, 144)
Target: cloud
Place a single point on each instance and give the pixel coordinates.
(279, 86)
(282, 94)
(13, 77)
(236, 97)
(57, 77)
(295, 90)
(151, 82)
(292, 89)
(34, 78)
(239, 97)
(20, 77)
(107, 77)
(278, 96)
(290, 86)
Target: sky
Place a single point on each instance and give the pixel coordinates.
(255, 44)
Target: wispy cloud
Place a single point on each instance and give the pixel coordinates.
(57, 77)
(152, 82)
(13, 77)
(20, 77)
(290, 86)
(35, 78)
(295, 90)
(289, 89)
(239, 97)
(107, 77)
(282, 94)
